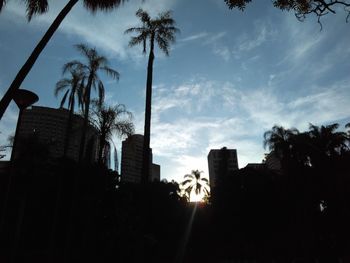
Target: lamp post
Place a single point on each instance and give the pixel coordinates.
(23, 98)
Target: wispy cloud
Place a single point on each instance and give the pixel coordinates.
(214, 38)
(223, 51)
(184, 136)
(194, 37)
(262, 32)
(106, 32)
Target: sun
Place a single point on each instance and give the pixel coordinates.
(197, 198)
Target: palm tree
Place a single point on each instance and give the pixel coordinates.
(94, 63)
(194, 182)
(109, 120)
(72, 88)
(161, 31)
(280, 140)
(326, 140)
(39, 7)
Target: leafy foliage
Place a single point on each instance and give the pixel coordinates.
(37, 7)
(301, 8)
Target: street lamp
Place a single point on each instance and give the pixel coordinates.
(23, 98)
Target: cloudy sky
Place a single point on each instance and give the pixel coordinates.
(230, 76)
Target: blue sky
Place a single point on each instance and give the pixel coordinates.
(230, 76)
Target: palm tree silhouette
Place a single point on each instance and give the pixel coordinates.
(72, 88)
(109, 120)
(38, 7)
(279, 140)
(161, 31)
(94, 63)
(327, 140)
(194, 182)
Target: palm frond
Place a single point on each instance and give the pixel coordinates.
(198, 188)
(143, 15)
(2, 4)
(163, 44)
(64, 98)
(189, 176)
(111, 72)
(124, 128)
(101, 91)
(85, 50)
(206, 191)
(134, 41)
(205, 180)
(62, 85)
(74, 65)
(134, 29)
(186, 182)
(101, 61)
(104, 5)
(36, 7)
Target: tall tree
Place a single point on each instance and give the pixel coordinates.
(73, 89)
(161, 31)
(279, 140)
(39, 7)
(327, 139)
(110, 120)
(194, 182)
(94, 62)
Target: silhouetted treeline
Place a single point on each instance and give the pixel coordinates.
(298, 211)
(73, 213)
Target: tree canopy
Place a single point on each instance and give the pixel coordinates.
(301, 8)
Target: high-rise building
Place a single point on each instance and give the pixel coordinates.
(132, 157)
(48, 126)
(155, 175)
(221, 162)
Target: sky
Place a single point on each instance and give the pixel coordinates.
(230, 76)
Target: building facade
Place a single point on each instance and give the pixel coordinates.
(48, 126)
(221, 162)
(131, 161)
(155, 175)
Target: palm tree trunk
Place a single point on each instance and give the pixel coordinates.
(86, 120)
(148, 108)
(101, 147)
(21, 75)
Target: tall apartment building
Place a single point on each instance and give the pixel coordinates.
(131, 163)
(48, 126)
(221, 162)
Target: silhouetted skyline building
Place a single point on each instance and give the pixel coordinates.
(221, 162)
(155, 175)
(273, 162)
(256, 166)
(48, 126)
(131, 161)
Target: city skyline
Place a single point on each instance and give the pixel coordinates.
(223, 85)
